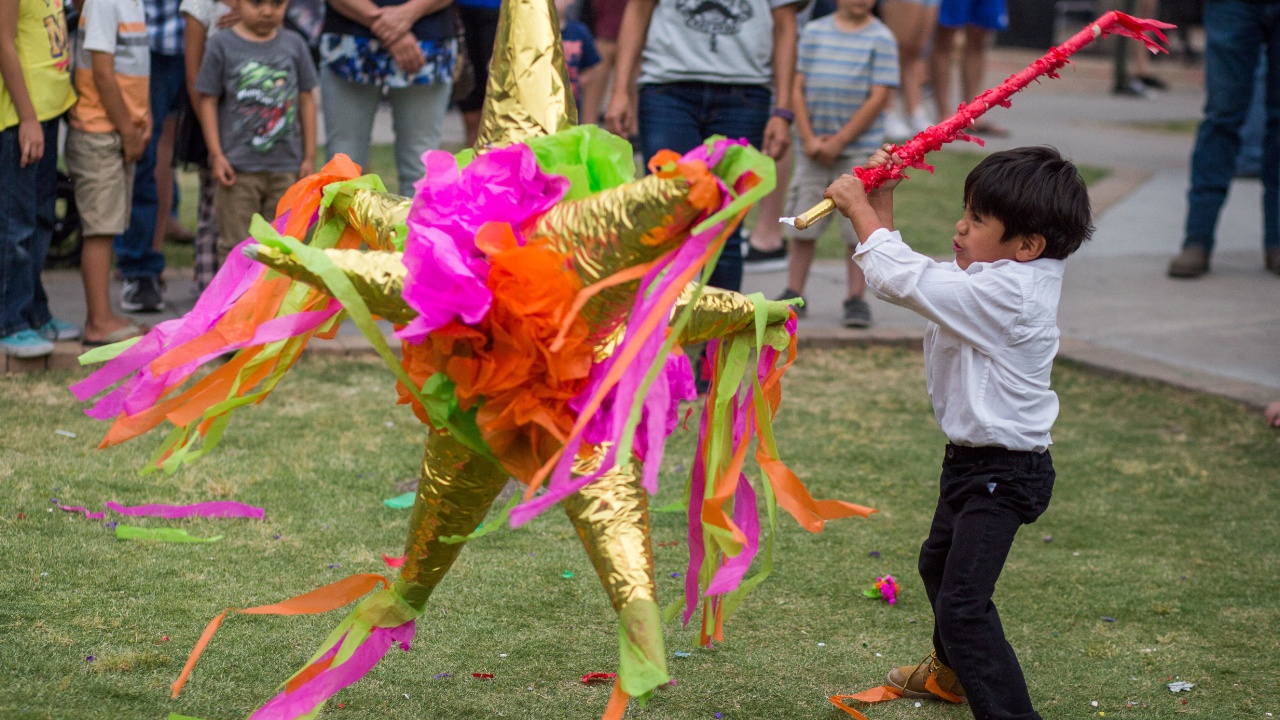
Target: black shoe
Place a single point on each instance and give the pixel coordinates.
(789, 294)
(1271, 259)
(1191, 262)
(857, 314)
(141, 294)
(757, 261)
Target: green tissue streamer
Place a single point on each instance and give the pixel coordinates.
(173, 535)
(400, 502)
(590, 158)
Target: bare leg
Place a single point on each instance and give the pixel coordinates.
(802, 253)
(472, 122)
(976, 40)
(912, 24)
(164, 180)
(95, 269)
(940, 70)
(853, 274)
(767, 234)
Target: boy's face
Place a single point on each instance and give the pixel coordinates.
(562, 7)
(978, 239)
(263, 16)
(855, 8)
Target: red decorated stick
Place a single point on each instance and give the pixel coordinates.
(951, 129)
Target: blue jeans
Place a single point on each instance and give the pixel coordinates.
(134, 255)
(26, 227)
(679, 116)
(1236, 32)
(1249, 162)
(417, 118)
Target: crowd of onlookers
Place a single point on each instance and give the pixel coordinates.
(234, 87)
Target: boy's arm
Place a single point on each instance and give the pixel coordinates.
(30, 135)
(207, 111)
(132, 136)
(862, 118)
(777, 132)
(307, 117)
(804, 127)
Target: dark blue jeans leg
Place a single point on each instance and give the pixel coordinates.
(680, 116)
(46, 182)
(1271, 137)
(737, 111)
(134, 255)
(1235, 32)
(17, 234)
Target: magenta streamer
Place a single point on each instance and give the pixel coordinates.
(290, 705)
(212, 509)
(746, 517)
(87, 514)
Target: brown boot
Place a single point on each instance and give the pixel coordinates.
(1192, 262)
(910, 680)
(1271, 258)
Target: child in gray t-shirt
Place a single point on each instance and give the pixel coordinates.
(257, 107)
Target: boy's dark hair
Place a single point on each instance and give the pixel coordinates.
(1033, 190)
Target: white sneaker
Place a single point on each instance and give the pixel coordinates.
(895, 126)
(921, 120)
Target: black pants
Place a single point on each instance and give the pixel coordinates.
(986, 494)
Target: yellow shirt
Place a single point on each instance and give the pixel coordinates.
(44, 50)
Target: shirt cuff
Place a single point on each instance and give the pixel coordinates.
(879, 237)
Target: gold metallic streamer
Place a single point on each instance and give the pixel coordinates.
(611, 516)
(377, 276)
(379, 216)
(528, 94)
(622, 227)
(455, 490)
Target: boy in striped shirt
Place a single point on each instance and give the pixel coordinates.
(846, 69)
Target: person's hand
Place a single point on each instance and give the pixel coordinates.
(30, 142)
(884, 157)
(307, 167)
(828, 151)
(777, 138)
(134, 142)
(229, 18)
(812, 145)
(1272, 414)
(847, 193)
(619, 115)
(407, 55)
(222, 170)
(392, 23)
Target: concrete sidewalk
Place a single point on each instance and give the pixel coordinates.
(1219, 334)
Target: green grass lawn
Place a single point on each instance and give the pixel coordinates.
(1165, 518)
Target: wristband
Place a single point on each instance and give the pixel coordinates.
(783, 113)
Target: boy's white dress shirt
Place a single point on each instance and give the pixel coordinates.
(990, 341)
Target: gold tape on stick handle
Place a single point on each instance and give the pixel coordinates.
(814, 214)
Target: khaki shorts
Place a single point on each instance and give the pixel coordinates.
(808, 182)
(234, 207)
(104, 182)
